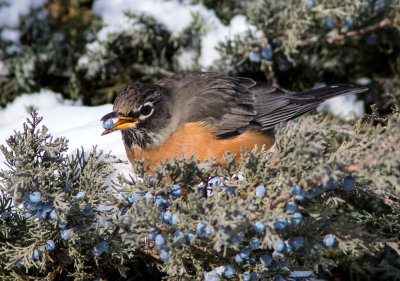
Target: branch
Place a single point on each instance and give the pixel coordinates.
(335, 36)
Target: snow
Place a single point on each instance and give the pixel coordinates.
(79, 124)
(10, 13)
(175, 15)
(345, 107)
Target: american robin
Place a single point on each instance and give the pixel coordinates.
(206, 114)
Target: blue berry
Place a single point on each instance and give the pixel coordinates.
(41, 214)
(108, 124)
(20, 262)
(80, 196)
(50, 245)
(329, 22)
(245, 253)
(36, 254)
(214, 181)
(349, 21)
(266, 260)
(35, 197)
(259, 226)
(211, 276)
(88, 210)
(179, 234)
(230, 190)
(190, 235)
(167, 217)
(238, 259)
(229, 271)
(266, 52)
(31, 206)
(239, 217)
(333, 185)
(209, 230)
(260, 191)
(134, 196)
(237, 239)
(280, 223)
(371, 40)
(175, 220)
(297, 218)
(298, 192)
(329, 240)
(279, 245)
(253, 276)
(309, 4)
(28, 215)
(164, 254)
(45, 207)
(66, 234)
(53, 215)
(298, 242)
(291, 207)
(254, 243)
(201, 226)
(97, 251)
(319, 245)
(255, 57)
(319, 189)
(296, 189)
(27, 198)
(349, 183)
(66, 186)
(160, 240)
(153, 233)
(176, 191)
(310, 195)
(246, 276)
(283, 65)
(161, 202)
(278, 277)
(104, 246)
(148, 195)
(288, 247)
(62, 224)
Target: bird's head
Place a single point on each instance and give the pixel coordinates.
(142, 112)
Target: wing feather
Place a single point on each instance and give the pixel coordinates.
(234, 105)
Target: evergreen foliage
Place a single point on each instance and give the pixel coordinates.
(326, 195)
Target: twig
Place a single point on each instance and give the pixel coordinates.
(332, 37)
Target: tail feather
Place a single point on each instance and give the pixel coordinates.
(288, 106)
(322, 94)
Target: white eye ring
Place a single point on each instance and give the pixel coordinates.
(146, 110)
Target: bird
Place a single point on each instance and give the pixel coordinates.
(206, 114)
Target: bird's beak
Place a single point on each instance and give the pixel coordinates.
(122, 123)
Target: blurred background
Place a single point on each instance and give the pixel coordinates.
(87, 50)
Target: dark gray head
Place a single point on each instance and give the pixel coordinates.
(143, 112)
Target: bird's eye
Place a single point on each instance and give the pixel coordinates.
(146, 110)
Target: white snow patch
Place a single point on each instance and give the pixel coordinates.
(10, 34)
(346, 107)
(10, 13)
(79, 124)
(175, 15)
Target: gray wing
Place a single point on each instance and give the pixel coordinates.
(234, 105)
(215, 99)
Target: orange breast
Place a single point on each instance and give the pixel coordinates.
(195, 138)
